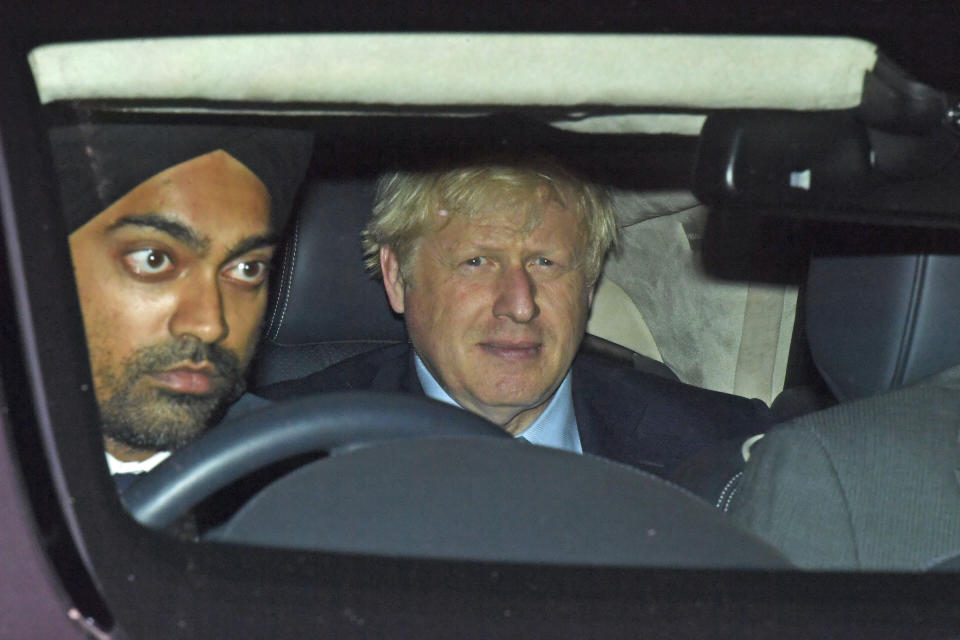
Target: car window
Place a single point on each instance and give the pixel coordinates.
(757, 183)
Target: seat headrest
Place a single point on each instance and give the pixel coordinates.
(879, 322)
(323, 294)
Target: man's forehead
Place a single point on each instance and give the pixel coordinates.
(507, 226)
(520, 218)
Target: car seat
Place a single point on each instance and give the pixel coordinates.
(725, 332)
(879, 322)
(324, 307)
(875, 322)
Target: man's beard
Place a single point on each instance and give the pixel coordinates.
(145, 416)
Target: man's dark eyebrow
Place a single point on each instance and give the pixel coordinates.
(164, 224)
(251, 243)
(189, 237)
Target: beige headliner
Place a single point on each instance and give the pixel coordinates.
(664, 73)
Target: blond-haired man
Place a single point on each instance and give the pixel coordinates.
(494, 265)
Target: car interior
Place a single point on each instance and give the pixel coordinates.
(728, 332)
(699, 293)
(787, 232)
(697, 290)
(317, 320)
(305, 332)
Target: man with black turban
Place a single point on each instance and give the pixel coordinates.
(172, 229)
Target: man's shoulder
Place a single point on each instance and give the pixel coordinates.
(625, 386)
(655, 423)
(357, 373)
(921, 418)
(869, 438)
(835, 470)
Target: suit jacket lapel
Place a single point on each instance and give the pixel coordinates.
(609, 418)
(399, 374)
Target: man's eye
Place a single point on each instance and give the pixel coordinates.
(248, 272)
(148, 262)
(477, 261)
(544, 262)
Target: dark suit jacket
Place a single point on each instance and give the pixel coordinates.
(624, 414)
(872, 484)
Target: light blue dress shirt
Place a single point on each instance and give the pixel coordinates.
(556, 427)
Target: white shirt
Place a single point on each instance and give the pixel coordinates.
(136, 466)
(556, 427)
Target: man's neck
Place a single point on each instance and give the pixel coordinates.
(124, 452)
(518, 423)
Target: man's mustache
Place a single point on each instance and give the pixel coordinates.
(162, 357)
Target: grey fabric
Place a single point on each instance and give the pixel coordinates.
(873, 484)
(711, 331)
(695, 320)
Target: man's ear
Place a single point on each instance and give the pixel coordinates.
(392, 279)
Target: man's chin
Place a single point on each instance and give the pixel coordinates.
(166, 424)
(509, 392)
(169, 436)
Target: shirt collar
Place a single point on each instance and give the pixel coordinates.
(136, 466)
(556, 427)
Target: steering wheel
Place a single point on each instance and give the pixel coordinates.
(333, 422)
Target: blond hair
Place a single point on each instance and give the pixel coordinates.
(408, 204)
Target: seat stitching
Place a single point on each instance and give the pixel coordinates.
(285, 283)
(728, 491)
(280, 291)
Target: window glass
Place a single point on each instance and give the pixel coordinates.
(597, 275)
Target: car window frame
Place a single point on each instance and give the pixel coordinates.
(151, 585)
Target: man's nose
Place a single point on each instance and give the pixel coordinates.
(199, 311)
(516, 297)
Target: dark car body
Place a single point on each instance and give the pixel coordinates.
(73, 563)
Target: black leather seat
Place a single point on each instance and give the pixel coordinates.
(879, 322)
(324, 306)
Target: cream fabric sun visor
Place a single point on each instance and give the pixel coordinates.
(350, 72)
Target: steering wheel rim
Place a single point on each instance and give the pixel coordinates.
(332, 422)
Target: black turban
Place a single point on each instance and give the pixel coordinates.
(97, 164)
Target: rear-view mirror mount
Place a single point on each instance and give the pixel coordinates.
(892, 160)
